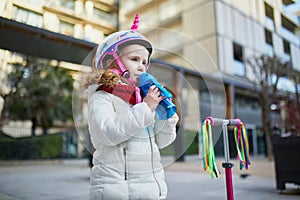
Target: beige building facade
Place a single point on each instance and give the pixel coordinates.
(214, 38)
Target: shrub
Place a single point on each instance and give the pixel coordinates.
(38, 147)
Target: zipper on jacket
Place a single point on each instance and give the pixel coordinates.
(125, 163)
(152, 163)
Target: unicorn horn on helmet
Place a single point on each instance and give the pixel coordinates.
(135, 24)
(108, 48)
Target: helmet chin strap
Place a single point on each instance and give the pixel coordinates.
(123, 70)
(125, 73)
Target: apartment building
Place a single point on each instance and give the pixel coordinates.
(64, 31)
(211, 40)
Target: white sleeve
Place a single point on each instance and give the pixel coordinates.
(108, 127)
(165, 131)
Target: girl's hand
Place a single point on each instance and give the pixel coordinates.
(153, 98)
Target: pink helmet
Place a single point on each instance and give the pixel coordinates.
(112, 44)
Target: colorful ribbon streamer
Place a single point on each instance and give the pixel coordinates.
(242, 145)
(208, 154)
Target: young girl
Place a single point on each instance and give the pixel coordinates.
(124, 130)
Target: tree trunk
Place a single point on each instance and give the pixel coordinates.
(265, 107)
(3, 116)
(33, 126)
(297, 108)
(44, 126)
(45, 130)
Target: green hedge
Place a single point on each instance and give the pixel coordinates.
(39, 147)
(192, 143)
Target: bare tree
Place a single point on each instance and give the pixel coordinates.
(266, 72)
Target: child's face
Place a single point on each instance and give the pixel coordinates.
(135, 59)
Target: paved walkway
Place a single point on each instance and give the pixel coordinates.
(63, 180)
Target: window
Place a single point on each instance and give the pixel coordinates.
(269, 43)
(269, 38)
(288, 24)
(269, 11)
(68, 4)
(269, 17)
(239, 67)
(246, 103)
(33, 2)
(237, 52)
(108, 17)
(288, 30)
(66, 28)
(287, 51)
(286, 47)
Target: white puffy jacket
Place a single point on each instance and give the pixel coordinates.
(127, 141)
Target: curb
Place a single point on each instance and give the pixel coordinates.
(84, 162)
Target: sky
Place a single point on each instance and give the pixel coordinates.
(293, 8)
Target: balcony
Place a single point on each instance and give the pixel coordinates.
(106, 5)
(70, 16)
(143, 5)
(30, 40)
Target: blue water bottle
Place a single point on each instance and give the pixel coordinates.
(165, 108)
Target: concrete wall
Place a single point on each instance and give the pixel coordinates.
(198, 23)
